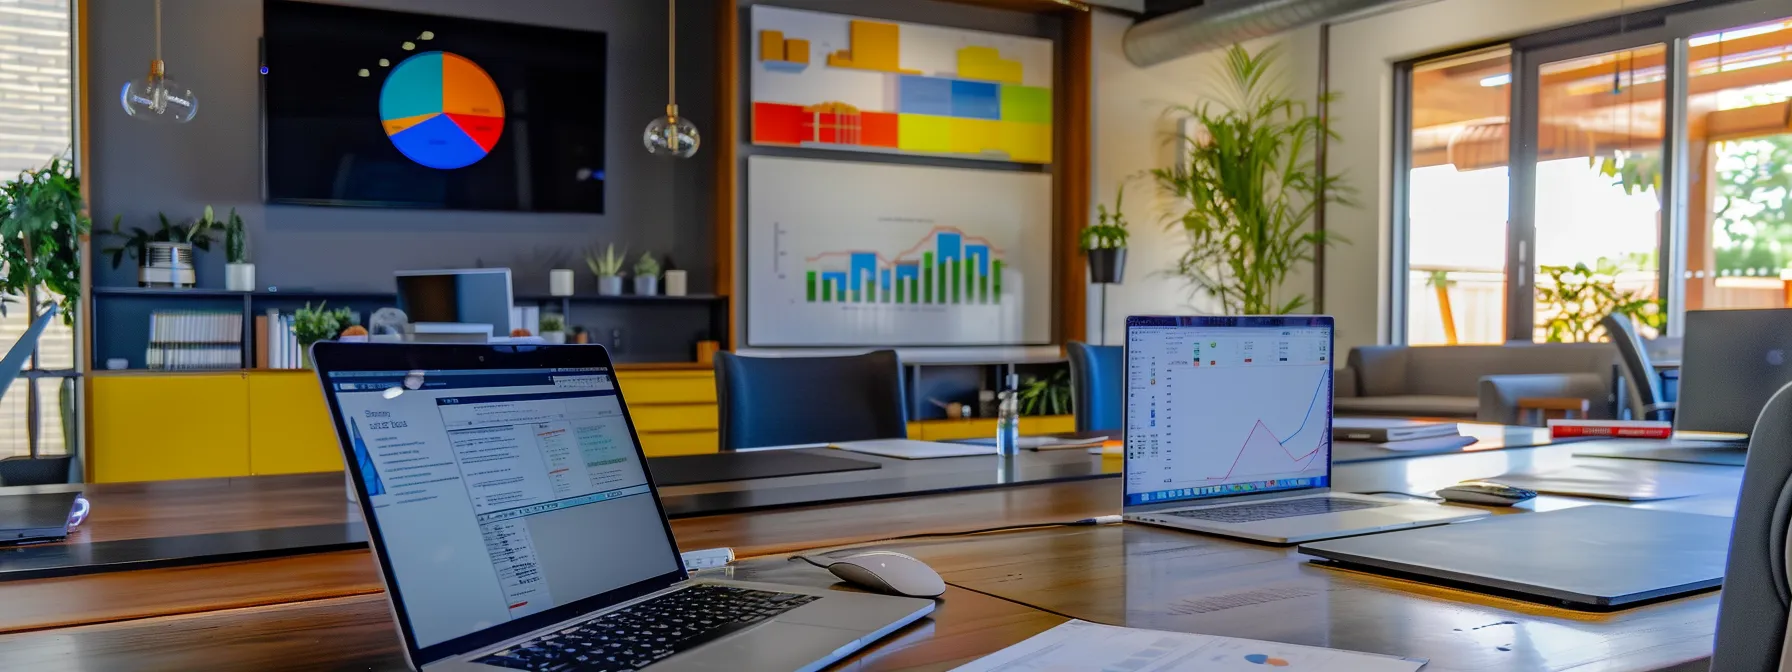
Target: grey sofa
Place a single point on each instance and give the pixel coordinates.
(1481, 382)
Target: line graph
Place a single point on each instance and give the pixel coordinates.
(1219, 401)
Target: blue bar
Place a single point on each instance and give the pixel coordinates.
(911, 271)
(949, 247)
(839, 280)
(885, 280)
(981, 254)
(863, 264)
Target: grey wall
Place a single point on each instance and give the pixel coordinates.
(137, 170)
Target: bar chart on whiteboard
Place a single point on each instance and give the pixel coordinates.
(844, 253)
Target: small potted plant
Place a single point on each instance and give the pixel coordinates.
(553, 328)
(164, 256)
(239, 274)
(1105, 242)
(647, 275)
(608, 269)
(311, 325)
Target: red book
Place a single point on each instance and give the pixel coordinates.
(1628, 429)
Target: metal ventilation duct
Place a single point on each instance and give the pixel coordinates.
(1218, 23)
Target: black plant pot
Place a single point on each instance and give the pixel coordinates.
(1107, 266)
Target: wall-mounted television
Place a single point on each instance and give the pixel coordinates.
(374, 108)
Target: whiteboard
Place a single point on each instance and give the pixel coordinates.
(847, 254)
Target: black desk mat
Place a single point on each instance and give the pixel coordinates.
(741, 466)
(52, 560)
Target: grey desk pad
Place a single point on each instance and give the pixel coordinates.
(1723, 453)
(1589, 557)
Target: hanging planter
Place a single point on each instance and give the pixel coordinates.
(1107, 266)
(1104, 242)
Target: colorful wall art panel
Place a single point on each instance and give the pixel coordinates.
(834, 81)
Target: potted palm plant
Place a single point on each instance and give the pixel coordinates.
(239, 274)
(647, 275)
(608, 269)
(1249, 187)
(1105, 242)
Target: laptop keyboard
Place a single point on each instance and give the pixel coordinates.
(639, 635)
(1286, 508)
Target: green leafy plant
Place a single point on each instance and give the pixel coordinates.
(40, 236)
(198, 232)
(311, 325)
(552, 322)
(1046, 395)
(1250, 188)
(1575, 298)
(608, 264)
(647, 266)
(236, 240)
(1109, 230)
(1636, 172)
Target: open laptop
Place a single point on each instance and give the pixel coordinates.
(516, 526)
(1229, 430)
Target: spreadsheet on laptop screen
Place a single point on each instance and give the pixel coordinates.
(501, 493)
(1213, 411)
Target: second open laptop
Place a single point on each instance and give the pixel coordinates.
(516, 524)
(1229, 430)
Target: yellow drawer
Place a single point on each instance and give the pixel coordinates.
(663, 444)
(290, 431)
(163, 427)
(1047, 424)
(674, 417)
(978, 428)
(667, 387)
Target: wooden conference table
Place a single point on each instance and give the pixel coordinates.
(325, 610)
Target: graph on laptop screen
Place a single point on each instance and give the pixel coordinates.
(1226, 406)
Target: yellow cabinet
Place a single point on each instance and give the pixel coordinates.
(674, 409)
(290, 431)
(162, 427)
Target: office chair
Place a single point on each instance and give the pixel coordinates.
(26, 470)
(1751, 620)
(1638, 368)
(1097, 384)
(779, 401)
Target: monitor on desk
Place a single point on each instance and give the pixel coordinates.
(1734, 361)
(479, 296)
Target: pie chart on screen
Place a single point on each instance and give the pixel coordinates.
(441, 110)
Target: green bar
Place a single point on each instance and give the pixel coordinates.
(899, 284)
(995, 269)
(827, 290)
(970, 281)
(811, 286)
(955, 281)
(840, 292)
(983, 288)
(926, 278)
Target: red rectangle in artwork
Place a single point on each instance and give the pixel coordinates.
(778, 124)
(879, 129)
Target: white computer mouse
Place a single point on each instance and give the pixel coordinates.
(891, 573)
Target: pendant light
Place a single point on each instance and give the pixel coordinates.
(671, 135)
(155, 97)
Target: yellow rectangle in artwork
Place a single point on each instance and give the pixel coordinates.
(875, 45)
(923, 133)
(987, 64)
(1027, 143)
(796, 51)
(771, 45)
(976, 136)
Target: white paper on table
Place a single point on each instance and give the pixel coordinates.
(1081, 645)
(909, 449)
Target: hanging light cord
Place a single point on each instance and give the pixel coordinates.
(671, 58)
(158, 30)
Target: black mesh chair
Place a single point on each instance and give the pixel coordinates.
(1097, 384)
(1751, 620)
(779, 401)
(1637, 368)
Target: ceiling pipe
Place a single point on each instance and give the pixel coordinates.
(1218, 23)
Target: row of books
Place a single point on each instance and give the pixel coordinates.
(190, 339)
(276, 346)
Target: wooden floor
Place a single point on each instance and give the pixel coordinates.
(327, 611)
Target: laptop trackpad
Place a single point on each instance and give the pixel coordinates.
(773, 646)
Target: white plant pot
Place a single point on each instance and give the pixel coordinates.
(676, 283)
(554, 337)
(239, 277)
(647, 285)
(609, 285)
(560, 282)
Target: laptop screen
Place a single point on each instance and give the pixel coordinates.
(1221, 406)
(500, 493)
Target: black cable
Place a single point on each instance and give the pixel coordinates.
(1397, 492)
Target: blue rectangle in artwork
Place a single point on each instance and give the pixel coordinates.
(949, 247)
(976, 100)
(980, 254)
(864, 266)
(924, 95)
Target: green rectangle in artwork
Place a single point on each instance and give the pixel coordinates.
(926, 278)
(995, 280)
(811, 286)
(827, 290)
(953, 272)
(983, 288)
(970, 281)
(1026, 104)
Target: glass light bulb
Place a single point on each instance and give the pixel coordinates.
(671, 135)
(157, 98)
